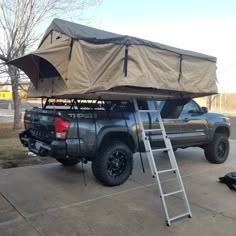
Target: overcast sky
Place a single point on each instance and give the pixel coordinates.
(206, 26)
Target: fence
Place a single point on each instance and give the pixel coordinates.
(222, 102)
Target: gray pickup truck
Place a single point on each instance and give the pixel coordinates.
(107, 133)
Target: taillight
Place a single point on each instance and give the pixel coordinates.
(61, 127)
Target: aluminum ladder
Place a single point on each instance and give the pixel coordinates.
(174, 166)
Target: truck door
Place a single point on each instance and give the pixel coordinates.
(172, 125)
(193, 125)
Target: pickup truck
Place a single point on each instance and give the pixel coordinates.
(107, 133)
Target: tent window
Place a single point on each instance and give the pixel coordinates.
(47, 70)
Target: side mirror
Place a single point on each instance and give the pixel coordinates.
(204, 109)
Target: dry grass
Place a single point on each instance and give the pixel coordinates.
(6, 131)
(12, 153)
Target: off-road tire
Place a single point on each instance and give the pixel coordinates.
(68, 161)
(218, 150)
(114, 163)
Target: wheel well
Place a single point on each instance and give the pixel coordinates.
(119, 136)
(222, 130)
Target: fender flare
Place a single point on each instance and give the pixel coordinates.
(219, 125)
(108, 130)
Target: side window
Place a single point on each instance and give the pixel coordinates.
(191, 108)
(142, 104)
(160, 105)
(152, 106)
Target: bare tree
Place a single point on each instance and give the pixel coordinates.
(210, 100)
(20, 22)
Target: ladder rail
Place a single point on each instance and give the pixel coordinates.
(143, 136)
(172, 159)
(150, 158)
(166, 139)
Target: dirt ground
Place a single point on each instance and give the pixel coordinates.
(12, 153)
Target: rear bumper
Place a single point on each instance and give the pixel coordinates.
(56, 149)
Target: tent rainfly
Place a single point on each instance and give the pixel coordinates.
(76, 61)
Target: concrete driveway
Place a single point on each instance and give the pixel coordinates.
(53, 200)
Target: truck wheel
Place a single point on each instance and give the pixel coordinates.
(113, 164)
(68, 161)
(218, 150)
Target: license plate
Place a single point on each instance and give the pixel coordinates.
(38, 145)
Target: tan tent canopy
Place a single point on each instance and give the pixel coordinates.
(79, 61)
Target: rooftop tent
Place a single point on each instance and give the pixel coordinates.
(73, 60)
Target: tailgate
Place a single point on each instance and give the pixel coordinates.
(40, 124)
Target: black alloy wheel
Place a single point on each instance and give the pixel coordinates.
(114, 163)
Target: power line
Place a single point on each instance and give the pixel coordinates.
(226, 68)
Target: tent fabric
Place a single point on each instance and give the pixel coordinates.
(77, 31)
(79, 61)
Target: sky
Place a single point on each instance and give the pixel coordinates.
(205, 26)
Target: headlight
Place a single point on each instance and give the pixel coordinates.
(227, 120)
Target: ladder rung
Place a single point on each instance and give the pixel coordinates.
(180, 216)
(151, 130)
(160, 149)
(165, 171)
(148, 111)
(172, 193)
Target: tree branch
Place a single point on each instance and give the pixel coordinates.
(3, 58)
(20, 22)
